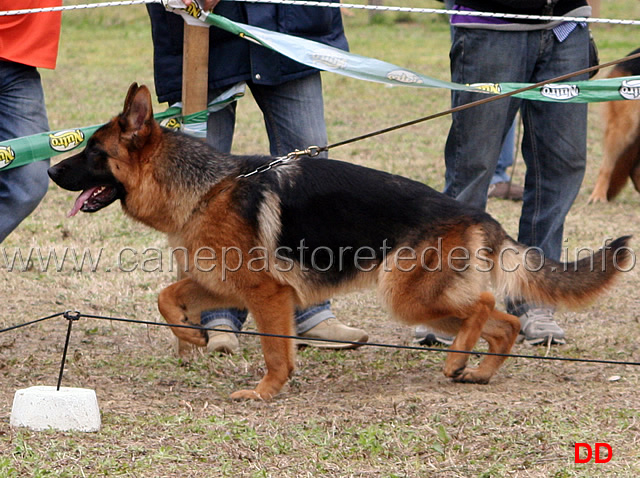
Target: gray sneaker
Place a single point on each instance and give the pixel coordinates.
(426, 336)
(537, 327)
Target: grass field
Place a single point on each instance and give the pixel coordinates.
(369, 412)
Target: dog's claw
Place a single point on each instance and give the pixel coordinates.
(246, 395)
(596, 198)
(455, 373)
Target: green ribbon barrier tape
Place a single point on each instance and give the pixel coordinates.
(324, 57)
(327, 58)
(591, 91)
(37, 147)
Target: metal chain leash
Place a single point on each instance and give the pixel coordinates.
(311, 151)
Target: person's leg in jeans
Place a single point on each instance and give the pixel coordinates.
(294, 119)
(501, 185)
(505, 189)
(477, 134)
(23, 113)
(554, 150)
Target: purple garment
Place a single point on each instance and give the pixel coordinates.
(473, 19)
(561, 31)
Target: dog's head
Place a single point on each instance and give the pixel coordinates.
(112, 160)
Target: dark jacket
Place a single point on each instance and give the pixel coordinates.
(522, 7)
(233, 59)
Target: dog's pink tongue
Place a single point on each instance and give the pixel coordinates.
(80, 201)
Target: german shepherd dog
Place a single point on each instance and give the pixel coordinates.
(621, 158)
(305, 230)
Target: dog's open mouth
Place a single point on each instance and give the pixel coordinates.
(94, 199)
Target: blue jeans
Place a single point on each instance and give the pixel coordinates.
(505, 160)
(554, 140)
(294, 119)
(507, 153)
(23, 113)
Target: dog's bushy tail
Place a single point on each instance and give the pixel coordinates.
(524, 273)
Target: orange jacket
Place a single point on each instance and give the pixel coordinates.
(31, 39)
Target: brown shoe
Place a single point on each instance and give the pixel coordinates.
(222, 342)
(332, 329)
(506, 190)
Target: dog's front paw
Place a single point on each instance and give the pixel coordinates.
(197, 337)
(246, 395)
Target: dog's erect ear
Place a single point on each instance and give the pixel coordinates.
(139, 110)
(127, 100)
(137, 118)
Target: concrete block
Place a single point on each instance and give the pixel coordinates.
(43, 408)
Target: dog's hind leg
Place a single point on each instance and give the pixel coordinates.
(500, 331)
(182, 303)
(467, 323)
(450, 300)
(471, 328)
(272, 307)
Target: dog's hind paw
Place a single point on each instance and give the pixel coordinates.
(246, 395)
(471, 375)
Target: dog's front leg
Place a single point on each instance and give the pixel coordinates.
(182, 303)
(271, 305)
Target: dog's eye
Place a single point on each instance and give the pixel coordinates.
(97, 156)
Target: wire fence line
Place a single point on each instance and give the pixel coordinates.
(353, 6)
(74, 315)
